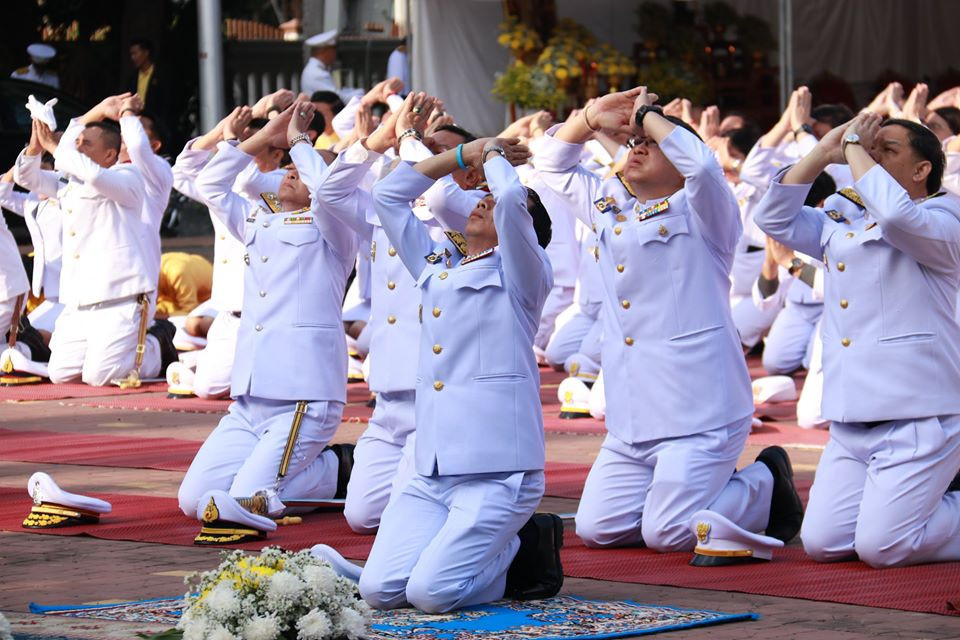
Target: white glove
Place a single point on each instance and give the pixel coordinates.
(42, 112)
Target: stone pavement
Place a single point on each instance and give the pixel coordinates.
(79, 570)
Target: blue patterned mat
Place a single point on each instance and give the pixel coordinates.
(563, 617)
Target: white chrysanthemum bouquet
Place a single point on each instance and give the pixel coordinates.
(5, 632)
(276, 595)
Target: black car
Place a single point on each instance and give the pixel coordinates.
(15, 127)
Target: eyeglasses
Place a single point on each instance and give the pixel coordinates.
(635, 141)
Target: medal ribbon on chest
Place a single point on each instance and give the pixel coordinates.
(653, 210)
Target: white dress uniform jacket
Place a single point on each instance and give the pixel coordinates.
(157, 183)
(228, 265)
(316, 77)
(478, 388)
(666, 312)
(290, 342)
(13, 277)
(45, 224)
(30, 73)
(103, 253)
(891, 346)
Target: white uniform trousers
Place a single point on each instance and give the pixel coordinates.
(377, 466)
(752, 323)
(645, 493)
(811, 395)
(446, 542)
(879, 493)
(97, 343)
(790, 342)
(44, 316)
(558, 300)
(215, 361)
(579, 330)
(242, 455)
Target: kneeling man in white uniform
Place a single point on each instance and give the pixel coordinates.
(290, 370)
(460, 532)
(891, 346)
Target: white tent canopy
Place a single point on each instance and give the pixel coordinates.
(456, 55)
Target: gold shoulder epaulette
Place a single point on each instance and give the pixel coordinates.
(852, 196)
(459, 240)
(623, 181)
(272, 201)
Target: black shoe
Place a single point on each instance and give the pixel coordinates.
(786, 509)
(163, 331)
(28, 335)
(372, 402)
(955, 483)
(536, 571)
(344, 454)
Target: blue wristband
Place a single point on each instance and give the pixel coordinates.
(460, 156)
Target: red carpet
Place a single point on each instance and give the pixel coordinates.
(924, 588)
(563, 479)
(791, 574)
(54, 447)
(157, 402)
(153, 519)
(47, 391)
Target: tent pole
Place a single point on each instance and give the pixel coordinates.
(211, 63)
(785, 33)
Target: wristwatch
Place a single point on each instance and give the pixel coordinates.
(850, 138)
(806, 128)
(643, 111)
(796, 265)
(497, 150)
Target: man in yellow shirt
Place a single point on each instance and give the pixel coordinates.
(185, 281)
(147, 82)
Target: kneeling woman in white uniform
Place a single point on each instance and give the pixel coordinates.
(449, 538)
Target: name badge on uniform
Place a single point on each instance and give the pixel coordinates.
(606, 205)
(298, 220)
(373, 251)
(836, 216)
(253, 216)
(653, 210)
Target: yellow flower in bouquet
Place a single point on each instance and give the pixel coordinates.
(518, 36)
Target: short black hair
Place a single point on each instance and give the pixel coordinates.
(832, 114)
(318, 124)
(156, 127)
(143, 43)
(541, 219)
(458, 130)
(925, 145)
(744, 138)
(328, 97)
(379, 109)
(109, 131)
(952, 116)
(258, 123)
(822, 186)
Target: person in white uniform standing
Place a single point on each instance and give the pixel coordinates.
(891, 345)
(106, 279)
(316, 73)
(274, 438)
(678, 398)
